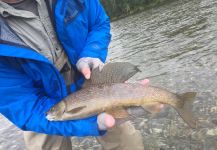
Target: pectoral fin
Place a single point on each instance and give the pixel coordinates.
(118, 113)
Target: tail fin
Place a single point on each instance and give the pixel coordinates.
(186, 111)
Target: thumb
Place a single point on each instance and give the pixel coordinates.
(144, 82)
(83, 66)
(105, 121)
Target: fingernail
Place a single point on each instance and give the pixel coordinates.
(162, 106)
(87, 76)
(146, 80)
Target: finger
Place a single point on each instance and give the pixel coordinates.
(144, 82)
(97, 63)
(101, 65)
(109, 121)
(83, 67)
(86, 72)
(82, 63)
(105, 121)
(161, 106)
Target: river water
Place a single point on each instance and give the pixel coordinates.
(175, 46)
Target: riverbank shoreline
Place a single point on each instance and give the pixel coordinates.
(117, 12)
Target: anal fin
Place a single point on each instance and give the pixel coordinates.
(118, 113)
(153, 108)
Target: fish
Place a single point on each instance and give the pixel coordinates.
(107, 91)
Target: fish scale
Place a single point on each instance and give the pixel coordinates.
(102, 95)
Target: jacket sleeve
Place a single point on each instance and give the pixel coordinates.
(99, 32)
(25, 105)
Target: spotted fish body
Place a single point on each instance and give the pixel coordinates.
(103, 97)
(97, 99)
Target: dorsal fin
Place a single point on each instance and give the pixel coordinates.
(117, 72)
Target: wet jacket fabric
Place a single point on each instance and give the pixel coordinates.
(30, 84)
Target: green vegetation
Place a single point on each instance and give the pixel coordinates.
(121, 8)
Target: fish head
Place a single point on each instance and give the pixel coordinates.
(60, 112)
(56, 112)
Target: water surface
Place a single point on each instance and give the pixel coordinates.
(175, 46)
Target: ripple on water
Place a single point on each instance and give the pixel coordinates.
(175, 46)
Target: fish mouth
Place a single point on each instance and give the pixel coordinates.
(56, 112)
(54, 116)
(50, 117)
(73, 114)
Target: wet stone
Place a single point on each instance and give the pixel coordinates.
(214, 121)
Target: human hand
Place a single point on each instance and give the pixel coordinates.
(106, 121)
(86, 64)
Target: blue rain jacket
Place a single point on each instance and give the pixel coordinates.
(30, 84)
